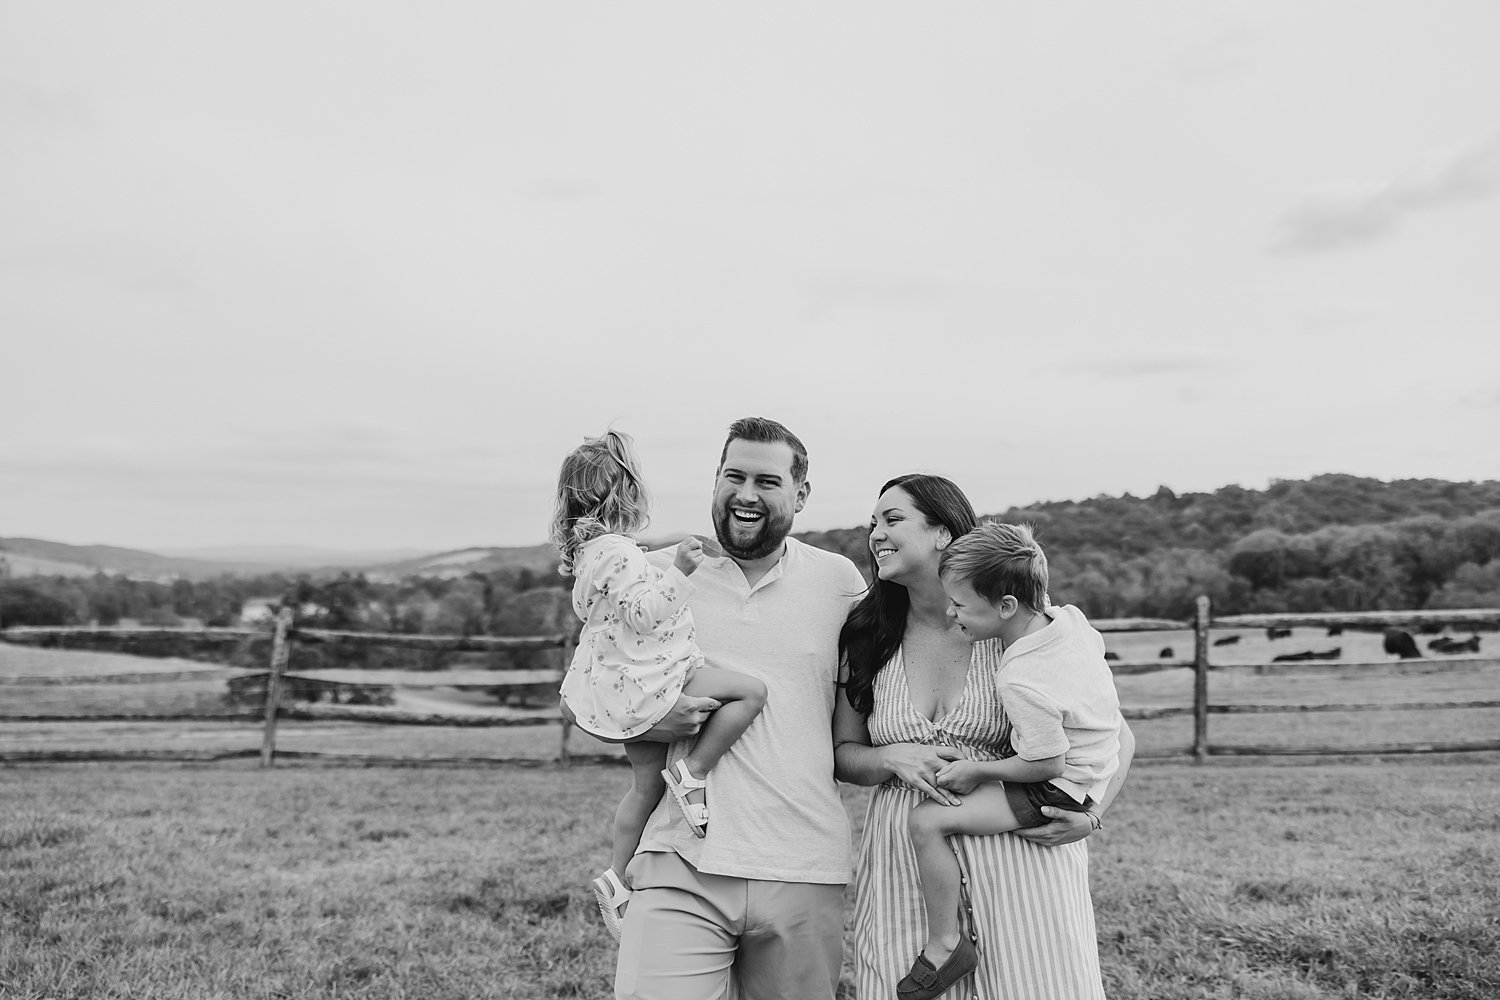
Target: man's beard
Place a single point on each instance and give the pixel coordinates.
(771, 532)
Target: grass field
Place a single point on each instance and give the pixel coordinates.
(1230, 880)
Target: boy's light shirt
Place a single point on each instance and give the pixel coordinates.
(1059, 695)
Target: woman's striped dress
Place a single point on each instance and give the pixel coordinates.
(1029, 906)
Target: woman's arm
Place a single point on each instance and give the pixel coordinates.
(858, 763)
(1066, 826)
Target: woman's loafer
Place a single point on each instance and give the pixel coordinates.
(924, 982)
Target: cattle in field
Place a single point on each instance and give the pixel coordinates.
(1278, 633)
(1448, 645)
(1111, 656)
(1309, 654)
(1402, 644)
(1166, 653)
(1228, 640)
(1335, 630)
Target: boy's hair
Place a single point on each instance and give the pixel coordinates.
(999, 559)
(768, 431)
(599, 491)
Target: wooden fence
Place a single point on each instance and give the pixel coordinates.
(289, 695)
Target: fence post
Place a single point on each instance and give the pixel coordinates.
(563, 756)
(1200, 679)
(279, 652)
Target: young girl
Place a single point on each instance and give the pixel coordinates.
(636, 652)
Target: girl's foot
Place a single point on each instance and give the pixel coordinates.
(612, 897)
(688, 792)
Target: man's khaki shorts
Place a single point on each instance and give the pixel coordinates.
(691, 936)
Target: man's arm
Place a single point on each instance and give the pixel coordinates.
(683, 720)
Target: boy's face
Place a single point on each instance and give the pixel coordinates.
(977, 617)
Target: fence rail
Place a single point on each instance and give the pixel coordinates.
(284, 687)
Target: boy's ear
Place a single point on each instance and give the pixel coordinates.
(1008, 606)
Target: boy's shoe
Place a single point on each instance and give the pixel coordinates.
(680, 782)
(924, 982)
(612, 896)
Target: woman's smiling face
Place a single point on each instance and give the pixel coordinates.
(904, 544)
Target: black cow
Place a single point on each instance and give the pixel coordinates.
(1469, 645)
(1402, 644)
(1228, 640)
(1111, 656)
(1327, 654)
(1278, 633)
(1335, 630)
(1166, 653)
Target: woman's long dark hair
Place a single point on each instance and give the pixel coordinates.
(874, 628)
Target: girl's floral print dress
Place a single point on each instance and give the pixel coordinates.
(636, 648)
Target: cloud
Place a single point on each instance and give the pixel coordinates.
(556, 190)
(826, 294)
(23, 104)
(1146, 367)
(1359, 212)
(1226, 54)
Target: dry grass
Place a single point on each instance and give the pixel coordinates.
(1262, 882)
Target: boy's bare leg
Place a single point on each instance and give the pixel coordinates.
(742, 696)
(983, 811)
(646, 789)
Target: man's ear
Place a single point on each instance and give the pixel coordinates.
(804, 489)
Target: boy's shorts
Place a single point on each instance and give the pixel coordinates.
(1027, 798)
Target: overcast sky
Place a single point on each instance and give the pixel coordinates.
(358, 275)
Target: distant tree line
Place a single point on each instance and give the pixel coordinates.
(1331, 543)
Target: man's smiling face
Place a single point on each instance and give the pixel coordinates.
(755, 498)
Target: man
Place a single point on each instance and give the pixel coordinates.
(754, 908)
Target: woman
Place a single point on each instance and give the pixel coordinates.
(916, 694)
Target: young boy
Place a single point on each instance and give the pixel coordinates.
(1059, 697)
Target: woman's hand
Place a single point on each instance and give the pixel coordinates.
(918, 764)
(960, 776)
(1065, 827)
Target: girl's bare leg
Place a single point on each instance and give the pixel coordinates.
(983, 811)
(742, 696)
(646, 789)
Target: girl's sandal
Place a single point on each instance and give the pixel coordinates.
(612, 896)
(680, 782)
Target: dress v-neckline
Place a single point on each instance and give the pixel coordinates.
(911, 706)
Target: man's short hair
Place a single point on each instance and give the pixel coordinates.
(767, 431)
(999, 559)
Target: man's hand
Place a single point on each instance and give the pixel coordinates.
(689, 555)
(1064, 828)
(684, 719)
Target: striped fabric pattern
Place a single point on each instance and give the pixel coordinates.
(1029, 906)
